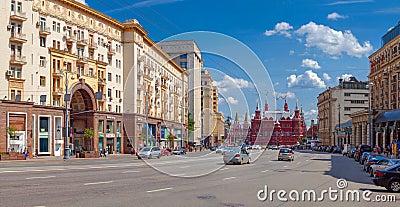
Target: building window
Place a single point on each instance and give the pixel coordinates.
(346, 94)
(109, 107)
(183, 65)
(118, 126)
(183, 56)
(100, 126)
(15, 72)
(58, 27)
(12, 5)
(19, 7)
(110, 127)
(91, 72)
(347, 108)
(42, 81)
(109, 93)
(43, 41)
(109, 78)
(54, 26)
(42, 61)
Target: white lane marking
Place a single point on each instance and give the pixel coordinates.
(31, 178)
(11, 171)
(226, 168)
(307, 160)
(285, 166)
(98, 183)
(157, 190)
(265, 171)
(131, 171)
(229, 178)
(184, 167)
(177, 175)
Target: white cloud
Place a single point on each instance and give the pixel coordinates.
(349, 2)
(312, 114)
(221, 100)
(307, 80)
(333, 42)
(229, 83)
(282, 28)
(326, 77)
(308, 63)
(335, 16)
(144, 3)
(345, 77)
(232, 100)
(285, 95)
(82, 1)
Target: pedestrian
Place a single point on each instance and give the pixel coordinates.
(195, 149)
(104, 152)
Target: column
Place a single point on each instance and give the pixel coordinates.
(353, 134)
(365, 133)
(385, 134)
(358, 137)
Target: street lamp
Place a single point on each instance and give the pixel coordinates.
(369, 85)
(67, 98)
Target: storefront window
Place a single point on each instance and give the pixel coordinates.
(110, 127)
(118, 126)
(100, 126)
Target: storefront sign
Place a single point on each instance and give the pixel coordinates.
(108, 135)
(110, 117)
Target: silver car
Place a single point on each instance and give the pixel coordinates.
(286, 154)
(236, 156)
(382, 165)
(149, 152)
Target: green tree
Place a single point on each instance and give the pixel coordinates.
(190, 123)
(88, 133)
(11, 131)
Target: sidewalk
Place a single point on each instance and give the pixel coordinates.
(73, 158)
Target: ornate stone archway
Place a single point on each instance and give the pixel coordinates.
(82, 97)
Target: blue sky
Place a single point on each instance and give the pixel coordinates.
(305, 45)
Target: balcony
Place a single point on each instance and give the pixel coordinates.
(57, 73)
(111, 52)
(44, 31)
(101, 81)
(93, 45)
(18, 37)
(18, 16)
(58, 91)
(69, 38)
(82, 42)
(17, 60)
(82, 59)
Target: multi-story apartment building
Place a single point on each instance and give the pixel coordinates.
(61, 51)
(384, 81)
(188, 56)
(61, 55)
(219, 119)
(335, 107)
(158, 89)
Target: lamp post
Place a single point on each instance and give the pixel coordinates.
(202, 128)
(369, 85)
(147, 119)
(66, 99)
(339, 137)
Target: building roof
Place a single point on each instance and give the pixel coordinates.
(388, 116)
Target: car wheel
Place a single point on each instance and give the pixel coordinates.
(394, 186)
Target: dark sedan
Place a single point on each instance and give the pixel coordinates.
(389, 178)
(180, 151)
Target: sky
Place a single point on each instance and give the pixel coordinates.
(302, 46)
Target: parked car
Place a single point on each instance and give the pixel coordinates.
(256, 147)
(382, 165)
(149, 152)
(286, 154)
(363, 157)
(360, 150)
(236, 156)
(370, 160)
(180, 151)
(389, 178)
(351, 153)
(275, 147)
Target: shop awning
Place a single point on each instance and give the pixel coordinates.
(388, 116)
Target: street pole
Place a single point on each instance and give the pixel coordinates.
(369, 117)
(66, 149)
(339, 127)
(147, 121)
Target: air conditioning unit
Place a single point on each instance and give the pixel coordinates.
(9, 27)
(8, 73)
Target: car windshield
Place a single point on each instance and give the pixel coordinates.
(146, 149)
(284, 151)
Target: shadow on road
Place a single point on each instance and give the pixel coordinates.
(345, 168)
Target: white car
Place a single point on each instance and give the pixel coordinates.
(149, 152)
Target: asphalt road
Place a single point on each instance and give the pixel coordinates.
(196, 180)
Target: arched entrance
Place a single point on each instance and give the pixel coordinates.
(82, 106)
